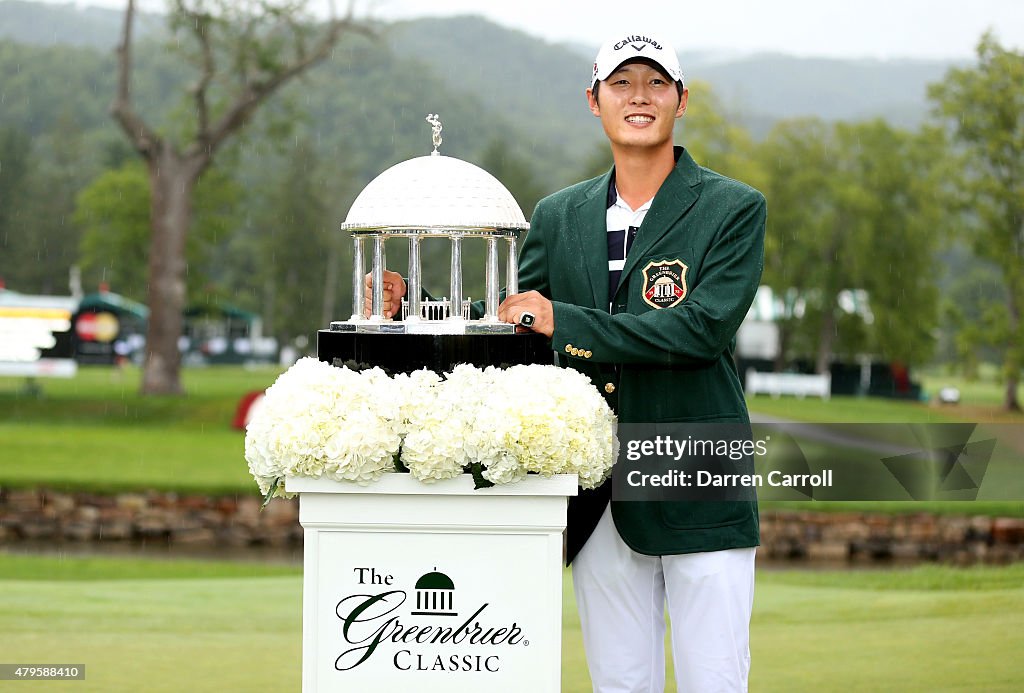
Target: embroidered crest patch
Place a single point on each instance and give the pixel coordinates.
(664, 283)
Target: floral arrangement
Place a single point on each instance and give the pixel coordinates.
(318, 420)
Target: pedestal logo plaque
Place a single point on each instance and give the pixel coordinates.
(432, 587)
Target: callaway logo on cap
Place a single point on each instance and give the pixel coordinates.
(631, 46)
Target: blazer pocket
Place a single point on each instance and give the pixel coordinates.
(705, 514)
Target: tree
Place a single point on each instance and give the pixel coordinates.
(900, 175)
(113, 213)
(974, 309)
(855, 210)
(984, 107)
(243, 52)
(15, 150)
(811, 242)
(294, 244)
(37, 194)
(715, 139)
(514, 172)
(799, 238)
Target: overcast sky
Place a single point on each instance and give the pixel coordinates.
(838, 28)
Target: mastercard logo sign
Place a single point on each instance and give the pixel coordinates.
(97, 327)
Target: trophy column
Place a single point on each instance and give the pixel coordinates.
(491, 297)
(415, 291)
(512, 269)
(377, 302)
(455, 309)
(358, 272)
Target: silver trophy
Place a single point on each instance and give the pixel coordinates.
(432, 197)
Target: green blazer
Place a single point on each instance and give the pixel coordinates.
(661, 348)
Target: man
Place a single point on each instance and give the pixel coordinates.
(641, 278)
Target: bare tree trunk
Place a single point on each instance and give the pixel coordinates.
(827, 335)
(825, 340)
(270, 307)
(171, 183)
(779, 363)
(1010, 402)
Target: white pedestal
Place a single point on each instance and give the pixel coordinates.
(432, 587)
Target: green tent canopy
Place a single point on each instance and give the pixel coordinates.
(114, 303)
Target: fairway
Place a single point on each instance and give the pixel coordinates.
(94, 432)
(926, 629)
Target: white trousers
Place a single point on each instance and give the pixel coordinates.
(621, 596)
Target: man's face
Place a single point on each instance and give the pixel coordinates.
(639, 106)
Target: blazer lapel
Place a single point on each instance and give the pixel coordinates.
(676, 195)
(592, 238)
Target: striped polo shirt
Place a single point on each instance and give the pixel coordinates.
(623, 223)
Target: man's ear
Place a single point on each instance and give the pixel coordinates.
(682, 103)
(592, 103)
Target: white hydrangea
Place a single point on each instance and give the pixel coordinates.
(538, 419)
(438, 427)
(319, 420)
(565, 426)
(417, 392)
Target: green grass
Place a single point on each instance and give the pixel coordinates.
(109, 459)
(979, 404)
(850, 410)
(30, 567)
(929, 578)
(986, 389)
(983, 508)
(143, 625)
(95, 432)
(825, 638)
(231, 634)
(981, 400)
(109, 397)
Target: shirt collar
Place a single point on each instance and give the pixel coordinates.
(613, 194)
(621, 204)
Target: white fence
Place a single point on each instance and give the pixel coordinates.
(798, 384)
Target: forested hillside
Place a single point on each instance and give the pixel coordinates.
(813, 134)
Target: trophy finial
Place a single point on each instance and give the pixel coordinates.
(435, 123)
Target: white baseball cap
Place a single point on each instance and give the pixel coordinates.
(625, 47)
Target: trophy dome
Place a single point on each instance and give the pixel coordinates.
(435, 192)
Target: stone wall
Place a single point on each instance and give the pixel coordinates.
(185, 520)
(866, 537)
(236, 521)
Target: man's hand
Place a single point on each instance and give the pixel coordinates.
(513, 307)
(394, 291)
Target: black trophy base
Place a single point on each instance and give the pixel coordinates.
(405, 353)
